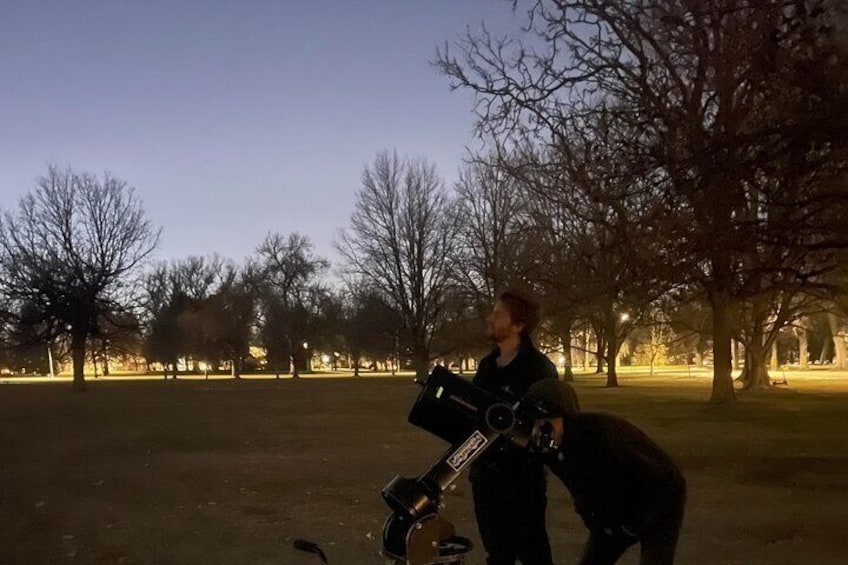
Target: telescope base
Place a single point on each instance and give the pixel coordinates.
(429, 540)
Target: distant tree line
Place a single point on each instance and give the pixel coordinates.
(669, 176)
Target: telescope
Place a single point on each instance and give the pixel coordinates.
(471, 420)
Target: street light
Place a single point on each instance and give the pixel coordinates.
(308, 360)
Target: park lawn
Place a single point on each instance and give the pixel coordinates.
(230, 472)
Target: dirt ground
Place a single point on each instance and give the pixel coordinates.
(230, 472)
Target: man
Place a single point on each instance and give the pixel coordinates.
(508, 485)
(624, 486)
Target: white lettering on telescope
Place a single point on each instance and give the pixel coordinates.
(466, 451)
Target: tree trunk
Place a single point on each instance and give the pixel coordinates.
(756, 375)
(775, 362)
(600, 354)
(826, 350)
(354, 360)
(422, 361)
(612, 353)
(722, 390)
(396, 362)
(565, 340)
(756, 369)
(78, 354)
(105, 363)
(839, 342)
(236, 367)
(51, 364)
(803, 345)
(736, 363)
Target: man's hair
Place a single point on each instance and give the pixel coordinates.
(523, 309)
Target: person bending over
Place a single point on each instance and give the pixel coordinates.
(625, 487)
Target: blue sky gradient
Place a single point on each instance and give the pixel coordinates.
(231, 118)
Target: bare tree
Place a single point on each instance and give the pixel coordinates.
(367, 324)
(173, 294)
(489, 209)
(291, 295)
(71, 250)
(401, 240)
(227, 317)
(594, 226)
(118, 337)
(735, 109)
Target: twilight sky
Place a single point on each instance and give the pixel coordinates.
(231, 118)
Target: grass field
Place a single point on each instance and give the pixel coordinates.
(218, 471)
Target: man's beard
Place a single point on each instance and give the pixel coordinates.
(493, 336)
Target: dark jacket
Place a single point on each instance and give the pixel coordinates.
(615, 473)
(503, 461)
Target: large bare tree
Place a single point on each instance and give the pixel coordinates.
(735, 105)
(401, 241)
(70, 252)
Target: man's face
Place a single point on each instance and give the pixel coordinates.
(499, 324)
